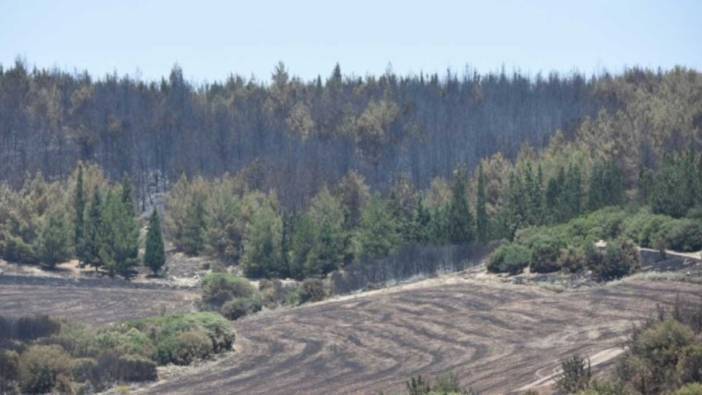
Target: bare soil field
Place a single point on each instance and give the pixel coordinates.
(93, 301)
(497, 337)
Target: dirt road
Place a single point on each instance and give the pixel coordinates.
(496, 337)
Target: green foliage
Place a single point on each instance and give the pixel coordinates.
(311, 290)
(482, 225)
(240, 307)
(54, 241)
(9, 370)
(575, 374)
(41, 367)
(689, 389)
(681, 235)
(545, 254)
(219, 288)
(377, 235)
(606, 186)
(263, 251)
(79, 212)
(154, 254)
(132, 368)
(676, 185)
(172, 347)
(118, 237)
(509, 258)
(460, 219)
(328, 244)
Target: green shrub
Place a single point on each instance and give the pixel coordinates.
(572, 259)
(312, 290)
(651, 362)
(123, 340)
(40, 368)
(509, 258)
(30, 328)
(165, 330)
(575, 374)
(114, 367)
(643, 227)
(620, 259)
(545, 254)
(84, 369)
(218, 288)
(689, 368)
(682, 235)
(690, 389)
(240, 307)
(9, 370)
(185, 347)
(135, 368)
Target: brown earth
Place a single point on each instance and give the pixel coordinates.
(496, 337)
(93, 301)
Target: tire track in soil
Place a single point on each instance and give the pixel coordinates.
(495, 337)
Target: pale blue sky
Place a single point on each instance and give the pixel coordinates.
(211, 39)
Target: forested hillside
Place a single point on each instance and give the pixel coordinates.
(289, 135)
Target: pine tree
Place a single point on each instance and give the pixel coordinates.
(154, 255)
(481, 217)
(54, 240)
(118, 240)
(421, 224)
(262, 252)
(93, 225)
(128, 195)
(378, 235)
(193, 236)
(79, 209)
(328, 249)
(460, 220)
(553, 197)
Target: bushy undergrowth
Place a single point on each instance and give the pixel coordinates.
(71, 358)
(663, 356)
(509, 258)
(571, 246)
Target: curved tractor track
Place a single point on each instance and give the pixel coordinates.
(496, 337)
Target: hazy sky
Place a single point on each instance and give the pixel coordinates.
(211, 39)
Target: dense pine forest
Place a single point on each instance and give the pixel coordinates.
(290, 135)
(296, 179)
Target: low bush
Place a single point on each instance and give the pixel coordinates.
(9, 370)
(620, 258)
(114, 367)
(165, 331)
(572, 259)
(219, 288)
(40, 368)
(689, 367)
(690, 389)
(122, 341)
(509, 258)
(682, 235)
(85, 369)
(312, 290)
(545, 254)
(575, 375)
(184, 348)
(240, 307)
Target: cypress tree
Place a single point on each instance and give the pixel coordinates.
(128, 195)
(119, 237)
(79, 208)
(460, 220)
(194, 227)
(54, 240)
(90, 246)
(154, 255)
(481, 221)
